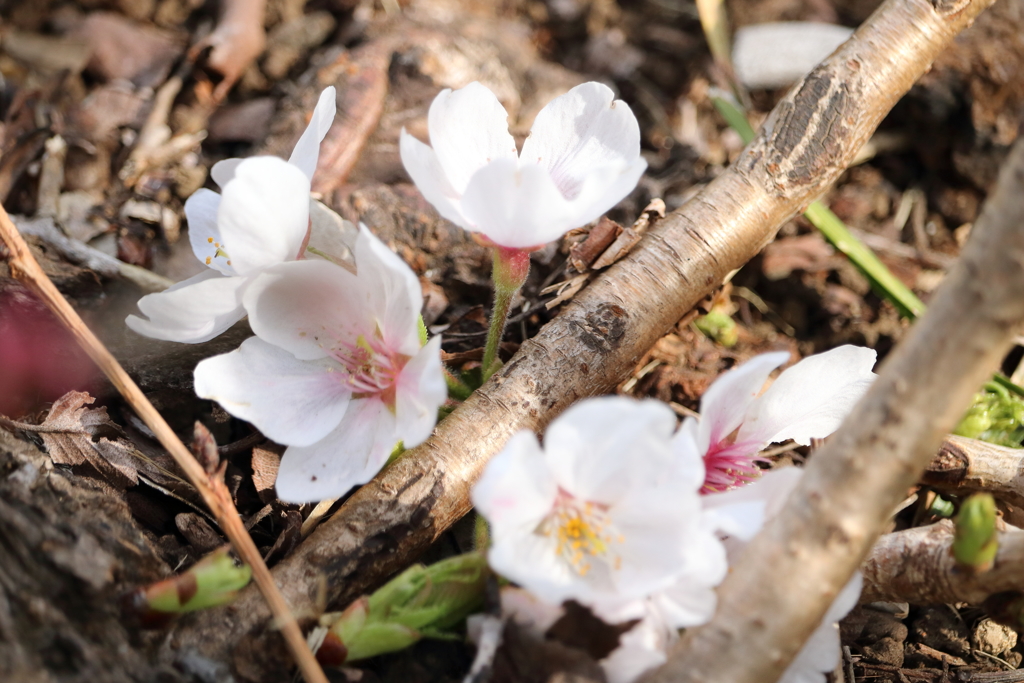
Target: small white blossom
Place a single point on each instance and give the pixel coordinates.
(260, 219)
(582, 158)
(808, 400)
(607, 513)
(336, 371)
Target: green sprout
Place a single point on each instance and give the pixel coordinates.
(213, 580)
(996, 415)
(976, 542)
(421, 602)
(720, 326)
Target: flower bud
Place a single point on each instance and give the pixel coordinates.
(214, 580)
(975, 542)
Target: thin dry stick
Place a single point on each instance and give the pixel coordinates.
(853, 483)
(600, 336)
(917, 566)
(24, 267)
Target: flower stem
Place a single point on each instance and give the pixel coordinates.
(511, 266)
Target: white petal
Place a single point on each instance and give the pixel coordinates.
(203, 234)
(642, 648)
(741, 512)
(740, 519)
(516, 490)
(330, 235)
(395, 295)
(420, 392)
(810, 399)
(526, 610)
(688, 603)
(584, 129)
(725, 403)
(603, 188)
(532, 561)
(517, 206)
(689, 460)
(294, 402)
(468, 129)
(264, 214)
(223, 171)
(423, 167)
(601, 448)
(192, 311)
(307, 149)
(306, 307)
(349, 456)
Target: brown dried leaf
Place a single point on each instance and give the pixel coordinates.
(806, 252)
(265, 462)
(68, 433)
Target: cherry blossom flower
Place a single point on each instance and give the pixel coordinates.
(336, 371)
(260, 219)
(581, 158)
(808, 400)
(607, 513)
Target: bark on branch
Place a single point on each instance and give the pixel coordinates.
(805, 144)
(853, 483)
(964, 466)
(917, 566)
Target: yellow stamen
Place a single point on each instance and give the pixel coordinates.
(208, 260)
(210, 240)
(581, 533)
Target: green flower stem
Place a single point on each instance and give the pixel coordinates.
(511, 266)
(457, 389)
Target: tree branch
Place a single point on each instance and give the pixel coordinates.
(597, 340)
(854, 482)
(964, 466)
(917, 566)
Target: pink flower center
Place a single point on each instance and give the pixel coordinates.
(583, 532)
(729, 464)
(372, 368)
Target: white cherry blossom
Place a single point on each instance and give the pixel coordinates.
(336, 371)
(261, 218)
(607, 513)
(582, 158)
(808, 400)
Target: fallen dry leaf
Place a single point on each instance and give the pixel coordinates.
(68, 433)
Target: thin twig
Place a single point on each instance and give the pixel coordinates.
(211, 486)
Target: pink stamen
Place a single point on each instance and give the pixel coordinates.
(729, 465)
